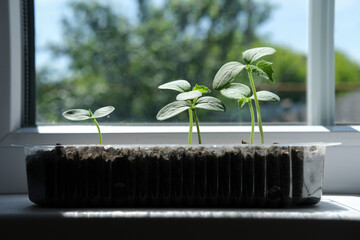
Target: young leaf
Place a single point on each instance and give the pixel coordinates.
(266, 67)
(188, 95)
(243, 101)
(201, 88)
(102, 112)
(259, 72)
(266, 96)
(210, 103)
(172, 109)
(76, 114)
(254, 54)
(226, 74)
(235, 91)
(178, 85)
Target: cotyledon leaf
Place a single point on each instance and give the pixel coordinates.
(172, 109)
(226, 74)
(188, 95)
(254, 54)
(266, 96)
(76, 114)
(177, 85)
(102, 112)
(235, 91)
(210, 103)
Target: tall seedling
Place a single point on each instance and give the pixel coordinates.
(224, 78)
(189, 99)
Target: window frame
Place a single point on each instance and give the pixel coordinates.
(340, 176)
(320, 85)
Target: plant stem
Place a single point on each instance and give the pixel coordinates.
(191, 126)
(97, 125)
(258, 114)
(197, 126)
(252, 122)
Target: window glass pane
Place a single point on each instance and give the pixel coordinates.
(91, 54)
(347, 61)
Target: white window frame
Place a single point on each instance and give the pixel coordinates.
(341, 174)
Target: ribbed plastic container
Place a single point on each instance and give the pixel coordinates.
(176, 175)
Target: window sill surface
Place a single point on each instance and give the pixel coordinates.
(324, 219)
(85, 134)
(53, 129)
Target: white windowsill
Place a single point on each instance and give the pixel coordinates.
(331, 207)
(53, 129)
(347, 135)
(335, 217)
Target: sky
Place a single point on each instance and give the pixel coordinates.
(288, 25)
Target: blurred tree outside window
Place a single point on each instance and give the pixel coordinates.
(91, 54)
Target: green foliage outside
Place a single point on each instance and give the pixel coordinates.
(121, 62)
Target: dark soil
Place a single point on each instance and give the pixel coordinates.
(240, 176)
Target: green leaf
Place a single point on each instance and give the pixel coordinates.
(210, 103)
(226, 74)
(254, 54)
(259, 72)
(266, 96)
(235, 91)
(243, 101)
(102, 112)
(188, 95)
(266, 67)
(178, 85)
(172, 109)
(201, 88)
(76, 114)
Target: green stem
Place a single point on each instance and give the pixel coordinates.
(256, 104)
(191, 126)
(252, 122)
(197, 126)
(97, 125)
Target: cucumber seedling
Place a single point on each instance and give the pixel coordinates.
(189, 99)
(83, 114)
(223, 82)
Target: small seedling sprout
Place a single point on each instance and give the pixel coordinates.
(189, 99)
(83, 114)
(224, 78)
